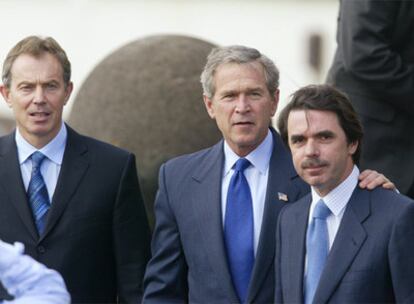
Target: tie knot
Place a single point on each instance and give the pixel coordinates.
(37, 159)
(241, 164)
(321, 210)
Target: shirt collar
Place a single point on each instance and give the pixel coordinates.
(54, 150)
(259, 157)
(338, 198)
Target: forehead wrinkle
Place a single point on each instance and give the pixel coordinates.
(236, 78)
(35, 69)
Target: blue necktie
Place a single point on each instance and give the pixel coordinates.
(37, 193)
(317, 246)
(238, 229)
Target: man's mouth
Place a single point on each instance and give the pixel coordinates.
(39, 114)
(243, 123)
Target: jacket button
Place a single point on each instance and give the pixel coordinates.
(41, 249)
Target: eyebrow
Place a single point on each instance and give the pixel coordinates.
(296, 137)
(227, 92)
(325, 133)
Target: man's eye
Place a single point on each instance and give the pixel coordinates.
(296, 140)
(325, 137)
(228, 97)
(26, 88)
(51, 86)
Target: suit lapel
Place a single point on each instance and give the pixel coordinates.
(12, 183)
(74, 165)
(281, 172)
(297, 251)
(206, 199)
(349, 239)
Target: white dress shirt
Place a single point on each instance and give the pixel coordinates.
(336, 200)
(51, 165)
(256, 174)
(29, 281)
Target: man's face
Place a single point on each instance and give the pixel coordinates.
(321, 153)
(242, 105)
(37, 95)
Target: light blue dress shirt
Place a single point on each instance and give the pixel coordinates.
(29, 281)
(50, 168)
(336, 200)
(256, 175)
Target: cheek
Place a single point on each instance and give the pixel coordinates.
(18, 107)
(297, 159)
(21, 103)
(221, 122)
(56, 105)
(223, 115)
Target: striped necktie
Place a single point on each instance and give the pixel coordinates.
(37, 193)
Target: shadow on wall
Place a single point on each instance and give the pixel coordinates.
(146, 97)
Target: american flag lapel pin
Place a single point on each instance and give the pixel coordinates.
(282, 197)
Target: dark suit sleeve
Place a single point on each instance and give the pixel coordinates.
(367, 37)
(166, 275)
(131, 235)
(401, 255)
(278, 279)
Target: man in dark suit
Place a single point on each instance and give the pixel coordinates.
(193, 241)
(341, 243)
(74, 202)
(374, 66)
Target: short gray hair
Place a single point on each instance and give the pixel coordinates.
(237, 54)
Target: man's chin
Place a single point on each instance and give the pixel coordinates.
(315, 182)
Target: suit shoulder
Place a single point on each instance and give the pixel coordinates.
(6, 140)
(101, 147)
(298, 205)
(389, 198)
(190, 160)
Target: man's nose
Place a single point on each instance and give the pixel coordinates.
(39, 95)
(242, 104)
(311, 148)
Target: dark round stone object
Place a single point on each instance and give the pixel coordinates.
(146, 97)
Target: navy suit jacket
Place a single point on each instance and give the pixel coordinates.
(97, 234)
(189, 258)
(371, 259)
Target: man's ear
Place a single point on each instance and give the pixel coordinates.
(68, 91)
(4, 90)
(352, 147)
(209, 106)
(275, 102)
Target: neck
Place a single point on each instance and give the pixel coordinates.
(39, 141)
